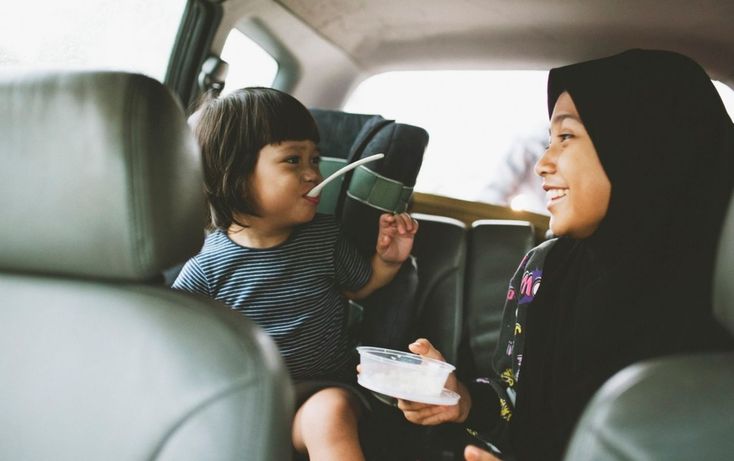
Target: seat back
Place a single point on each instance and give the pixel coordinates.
(99, 191)
(440, 251)
(673, 408)
(495, 249)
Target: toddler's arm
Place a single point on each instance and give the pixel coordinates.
(394, 242)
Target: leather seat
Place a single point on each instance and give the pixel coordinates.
(99, 191)
(494, 252)
(440, 250)
(673, 408)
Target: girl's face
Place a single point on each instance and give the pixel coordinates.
(283, 175)
(577, 188)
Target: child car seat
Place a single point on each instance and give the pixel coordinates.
(361, 196)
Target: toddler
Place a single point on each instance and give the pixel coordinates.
(271, 257)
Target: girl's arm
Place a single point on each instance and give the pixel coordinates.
(394, 243)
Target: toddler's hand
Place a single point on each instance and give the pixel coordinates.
(395, 239)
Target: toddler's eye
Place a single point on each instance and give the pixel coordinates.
(293, 160)
(316, 160)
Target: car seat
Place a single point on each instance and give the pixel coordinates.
(495, 249)
(440, 251)
(673, 408)
(99, 189)
(361, 196)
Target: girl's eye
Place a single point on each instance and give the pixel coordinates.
(293, 160)
(565, 136)
(316, 160)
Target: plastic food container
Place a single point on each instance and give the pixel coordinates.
(402, 373)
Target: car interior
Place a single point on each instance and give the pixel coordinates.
(102, 203)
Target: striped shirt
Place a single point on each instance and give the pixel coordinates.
(293, 290)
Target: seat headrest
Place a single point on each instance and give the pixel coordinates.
(339, 130)
(100, 176)
(724, 273)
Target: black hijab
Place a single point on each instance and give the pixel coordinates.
(640, 286)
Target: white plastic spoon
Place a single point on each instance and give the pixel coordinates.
(316, 190)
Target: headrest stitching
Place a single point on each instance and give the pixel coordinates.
(132, 166)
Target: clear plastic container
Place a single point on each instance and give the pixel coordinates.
(402, 372)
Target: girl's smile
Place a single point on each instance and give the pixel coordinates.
(554, 194)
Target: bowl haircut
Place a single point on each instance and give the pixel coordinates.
(231, 131)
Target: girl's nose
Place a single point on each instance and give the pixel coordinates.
(545, 164)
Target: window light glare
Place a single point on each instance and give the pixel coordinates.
(519, 202)
(249, 63)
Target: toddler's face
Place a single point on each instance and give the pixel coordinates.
(283, 175)
(577, 188)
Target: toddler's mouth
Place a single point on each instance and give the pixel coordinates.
(314, 200)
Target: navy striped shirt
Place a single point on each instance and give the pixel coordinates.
(293, 290)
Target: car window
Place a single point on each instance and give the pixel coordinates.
(475, 120)
(134, 35)
(249, 63)
(487, 129)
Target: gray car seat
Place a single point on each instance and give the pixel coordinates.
(99, 190)
(674, 408)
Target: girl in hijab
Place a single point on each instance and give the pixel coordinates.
(638, 177)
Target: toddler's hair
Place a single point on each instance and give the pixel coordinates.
(231, 130)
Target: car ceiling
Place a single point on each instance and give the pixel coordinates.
(521, 34)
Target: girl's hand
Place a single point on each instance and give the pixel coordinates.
(395, 238)
(427, 414)
(472, 453)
